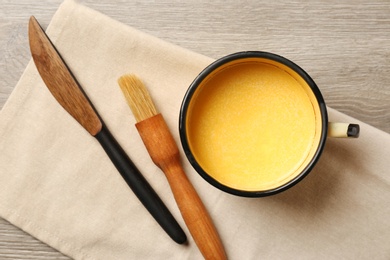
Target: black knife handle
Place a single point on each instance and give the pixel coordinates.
(140, 186)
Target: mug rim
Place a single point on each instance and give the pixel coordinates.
(244, 55)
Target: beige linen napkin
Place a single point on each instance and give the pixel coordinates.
(58, 184)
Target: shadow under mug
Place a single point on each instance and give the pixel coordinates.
(254, 124)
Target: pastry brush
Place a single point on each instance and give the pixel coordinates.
(164, 152)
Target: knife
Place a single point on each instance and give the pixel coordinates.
(67, 91)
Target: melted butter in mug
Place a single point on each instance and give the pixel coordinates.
(251, 126)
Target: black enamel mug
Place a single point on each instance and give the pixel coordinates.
(255, 123)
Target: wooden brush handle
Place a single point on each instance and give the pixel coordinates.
(194, 213)
(165, 154)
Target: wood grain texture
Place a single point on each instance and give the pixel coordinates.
(56, 74)
(343, 45)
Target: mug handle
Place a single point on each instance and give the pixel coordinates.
(343, 130)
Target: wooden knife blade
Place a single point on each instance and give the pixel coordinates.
(59, 79)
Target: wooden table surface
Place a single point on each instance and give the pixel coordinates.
(344, 45)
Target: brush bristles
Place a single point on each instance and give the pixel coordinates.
(137, 96)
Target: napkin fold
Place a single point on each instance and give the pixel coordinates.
(59, 185)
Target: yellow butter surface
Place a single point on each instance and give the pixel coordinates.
(252, 126)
